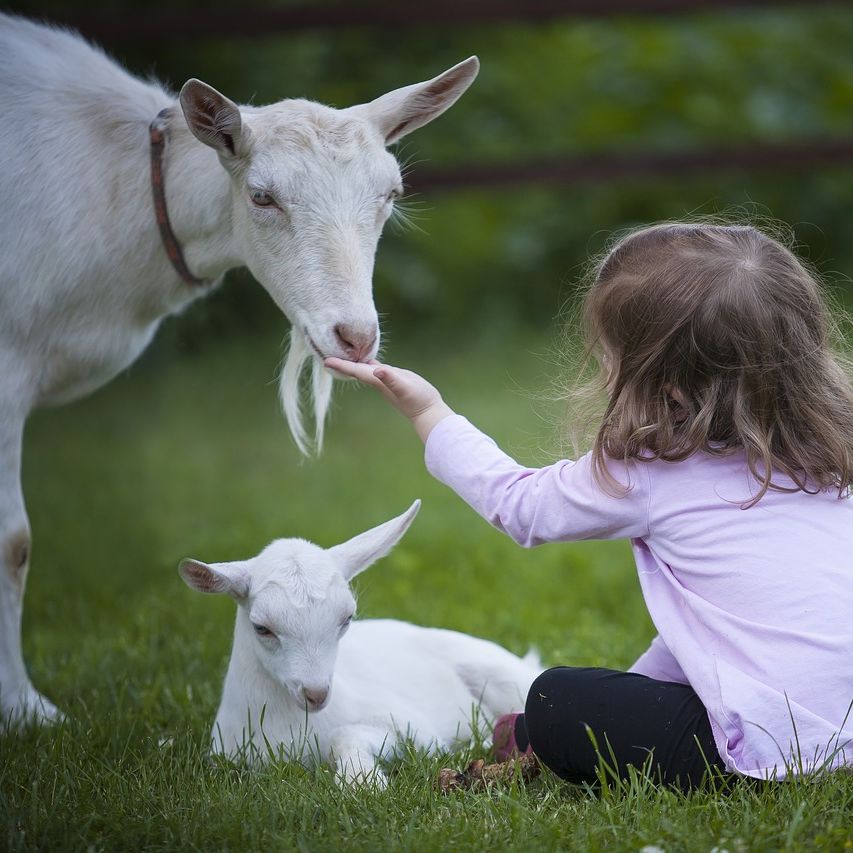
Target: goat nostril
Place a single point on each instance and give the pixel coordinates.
(315, 698)
(356, 344)
(345, 335)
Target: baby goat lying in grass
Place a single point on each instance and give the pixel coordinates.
(393, 680)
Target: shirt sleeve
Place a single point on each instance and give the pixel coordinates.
(559, 503)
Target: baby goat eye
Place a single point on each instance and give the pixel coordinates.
(394, 195)
(262, 630)
(345, 624)
(262, 199)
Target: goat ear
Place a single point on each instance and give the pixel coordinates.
(213, 119)
(356, 554)
(404, 110)
(231, 578)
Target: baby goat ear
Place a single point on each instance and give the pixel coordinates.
(213, 118)
(356, 554)
(216, 578)
(404, 110)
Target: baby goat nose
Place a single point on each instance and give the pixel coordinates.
(356, 344)
(315, 697)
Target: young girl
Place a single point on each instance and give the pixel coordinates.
(726, 456)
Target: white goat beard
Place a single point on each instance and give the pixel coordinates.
(289, 392)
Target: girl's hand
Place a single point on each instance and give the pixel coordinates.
(411, 394)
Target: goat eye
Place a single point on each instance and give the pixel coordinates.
(262, 630)
(262, 199)
(345, 624)
(394, 195)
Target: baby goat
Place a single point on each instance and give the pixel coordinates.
(394, 680)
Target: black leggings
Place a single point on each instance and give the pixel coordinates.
(636, 721)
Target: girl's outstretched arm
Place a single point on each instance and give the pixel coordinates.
(409, 393)
(557, 503)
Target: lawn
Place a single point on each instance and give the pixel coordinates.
(190, 457)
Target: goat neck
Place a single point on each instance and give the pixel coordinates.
(198, 200)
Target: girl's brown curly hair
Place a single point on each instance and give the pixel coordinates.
(717, 338)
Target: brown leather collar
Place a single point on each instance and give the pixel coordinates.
(157, 135)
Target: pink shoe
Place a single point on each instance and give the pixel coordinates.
(503, 738)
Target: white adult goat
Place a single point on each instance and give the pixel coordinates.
(296, 191)
(393, 680)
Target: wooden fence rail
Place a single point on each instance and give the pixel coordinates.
(162, 25)
(603, 167)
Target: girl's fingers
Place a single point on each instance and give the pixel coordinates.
(357, 370)
(391, 379)
(405, 390)
(376, 375)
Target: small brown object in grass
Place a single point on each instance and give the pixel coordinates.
(449, 780)
(480, 775)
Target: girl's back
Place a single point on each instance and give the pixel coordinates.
(755, 605)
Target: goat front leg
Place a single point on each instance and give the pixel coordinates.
(354, 750)
(19, 700)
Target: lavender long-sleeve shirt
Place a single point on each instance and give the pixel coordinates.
(753, 607)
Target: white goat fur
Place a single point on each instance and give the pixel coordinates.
(85, 280)
(392, 680)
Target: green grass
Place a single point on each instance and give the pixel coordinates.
(191, 457)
